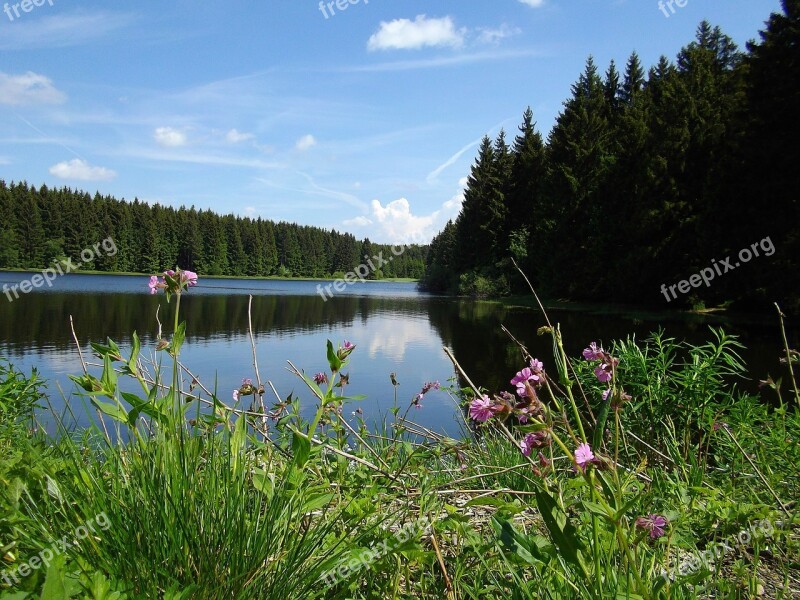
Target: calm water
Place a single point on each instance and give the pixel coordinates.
(395, 327)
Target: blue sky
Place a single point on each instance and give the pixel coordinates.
(365, 119)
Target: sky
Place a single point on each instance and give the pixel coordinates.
(356, 115)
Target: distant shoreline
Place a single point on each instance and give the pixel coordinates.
(246, 277)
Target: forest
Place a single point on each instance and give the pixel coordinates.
(646, 178)
(40, 226)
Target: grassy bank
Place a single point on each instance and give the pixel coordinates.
(635, 471)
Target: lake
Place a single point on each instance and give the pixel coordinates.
(395, 327)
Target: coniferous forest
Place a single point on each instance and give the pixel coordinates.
(647, 177)
(39, 226)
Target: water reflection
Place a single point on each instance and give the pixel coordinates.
(396, 330)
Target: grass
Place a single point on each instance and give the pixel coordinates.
(175, 494)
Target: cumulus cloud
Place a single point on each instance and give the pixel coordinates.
(404, 34)
(81, 170)
(29, 88)
(305, 143)
(169, 137)
(234, 136)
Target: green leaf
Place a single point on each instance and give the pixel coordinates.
(264, 482)
(58, 585)
(333, 359)
(597, 442)
(109, 378)
(238, 446)
(599, 510)
(115, 411)
(566, 538)
(315, 502)
(301, 447)
(177, 340)
(132, 362)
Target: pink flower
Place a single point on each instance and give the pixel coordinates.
(603, 373)
(593, 352)
(348, 345)
(655, 524)
(583, 455)
(534, 440)
(189, 277)
(153, 285)
(320, 378)
(537, 366)
(235, 395)
(523, 377)
(481, 409)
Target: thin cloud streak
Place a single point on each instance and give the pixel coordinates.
(441, 61)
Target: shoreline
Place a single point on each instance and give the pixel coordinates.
(245, 277)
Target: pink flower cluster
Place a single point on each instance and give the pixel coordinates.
(431, 385)
(172, 279)
(504, 404)
(605, 370)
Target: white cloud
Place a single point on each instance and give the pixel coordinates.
(234, 136)
(81, 170)
(305, 143)
(360, 221)
(170, 137)
(399, 224)
(4, 160)
(404, 34)
(493, 36)
(533, 3)
(30, 88)
(78, 28)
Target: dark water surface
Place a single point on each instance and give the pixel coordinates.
(395, 327)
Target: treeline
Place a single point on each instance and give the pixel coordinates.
(644, 180)
(39, 226)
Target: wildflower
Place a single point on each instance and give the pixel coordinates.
(534, 440)
(345, 350)
(583, 455)
(524, 377)
(189, 278)
(153, 285)
(235, 395)
(537, 366)
(655, 524)
(593, 352)
(606, 394)
(320, 378)
(603, 373)
(481, 409)
(172, 282)
(431, 385)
